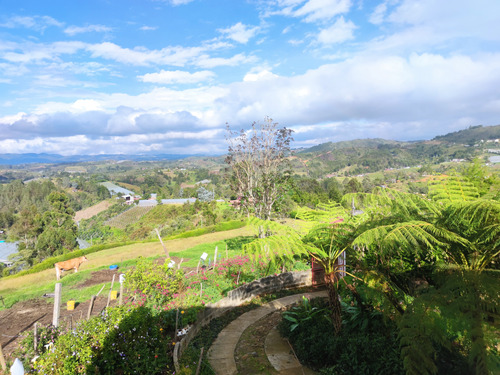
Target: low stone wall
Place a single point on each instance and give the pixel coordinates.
(237, 297)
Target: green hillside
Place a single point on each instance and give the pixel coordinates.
(362, 156)
(471, 135)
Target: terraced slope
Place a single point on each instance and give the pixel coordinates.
(88, 212)
(128, 217)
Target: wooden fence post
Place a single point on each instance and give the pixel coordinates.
(121, 295)
(57, 305)
(215, 256)
(2, 360)
(121, 279)
(110, 289)
(35, 338)
(164, 247)
(91, 305)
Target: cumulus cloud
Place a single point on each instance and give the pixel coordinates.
(240, 33)
(177, 76)
(427, 69)
(420, 23)
(339, 32)
(73, 30)
(389, 96)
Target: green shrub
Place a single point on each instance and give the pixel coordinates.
(158, 282)
(373, 349)
(119, 341)
(47, 335)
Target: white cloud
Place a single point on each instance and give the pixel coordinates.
(208, 62)
(240, 33)
(310, 10)
(31, 52)
(465, 19)
(339, 32)
(73, 30)
(180, 2)
(425, 71)
(148, 28)
(177, 76)
(38, 23)
(378, 15)
(261, 75)
(315, 10)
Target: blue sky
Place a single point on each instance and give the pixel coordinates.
(139, 76)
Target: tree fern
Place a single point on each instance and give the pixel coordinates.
(448, 189)
(392, 204)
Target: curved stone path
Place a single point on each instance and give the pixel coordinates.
(221, 353)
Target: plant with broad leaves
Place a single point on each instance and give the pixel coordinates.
(304, 312)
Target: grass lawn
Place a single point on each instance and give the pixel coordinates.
(22, 288)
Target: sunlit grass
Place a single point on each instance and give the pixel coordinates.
(33, 286)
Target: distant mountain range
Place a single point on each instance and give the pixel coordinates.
(18, 159)
(468, 136)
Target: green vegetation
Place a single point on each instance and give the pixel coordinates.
(130, 216)
(109, 342)
(420, 233)
(363, 346)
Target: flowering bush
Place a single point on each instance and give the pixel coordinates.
(120, 340)
(153, 283)
(47, 335)
(137, 338)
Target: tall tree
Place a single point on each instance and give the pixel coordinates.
(324, 234)
(260, 167)
(59, 229)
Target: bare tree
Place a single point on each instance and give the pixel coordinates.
(260, 166)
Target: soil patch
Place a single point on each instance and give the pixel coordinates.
(23, 315)
(250, 354)
(100, 277)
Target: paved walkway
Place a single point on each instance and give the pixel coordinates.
(281, 357)
(221, 353)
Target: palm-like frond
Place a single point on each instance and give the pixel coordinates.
(390, 203)
(323, 213)
(448, 189)
(475, 214)
(410, 238)
(280, 242)
(277, 247)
